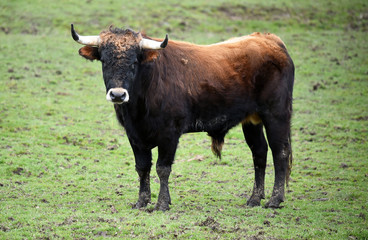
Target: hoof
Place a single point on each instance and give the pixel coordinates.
(162, 206)
(254, 202)
(274, 203)
(140, 204)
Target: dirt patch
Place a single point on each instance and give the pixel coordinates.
(358, 21)
(112, 147)
(316, 86)
(113, 209)
(241, 12)
(5, 30)
(365, 118)
(68, 221)
(4, 228)
(209, 222)
(18, 171)
(344, 165)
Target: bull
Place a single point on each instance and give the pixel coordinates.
(161, 89)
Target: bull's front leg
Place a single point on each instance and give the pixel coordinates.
(166, 154)
(144, 189)
(164, 199)
(143, 163)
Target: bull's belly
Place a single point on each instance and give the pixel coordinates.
(205, 125)
(221, 123)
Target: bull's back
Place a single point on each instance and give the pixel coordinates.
(245, 66)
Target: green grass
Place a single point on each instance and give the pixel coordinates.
(66, 168)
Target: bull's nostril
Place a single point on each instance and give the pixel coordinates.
(112, 96)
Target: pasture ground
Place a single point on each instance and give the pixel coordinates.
(66, 168)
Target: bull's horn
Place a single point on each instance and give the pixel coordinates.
(85, 40)
(152, 44)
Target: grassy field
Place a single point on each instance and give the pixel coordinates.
(66, 167)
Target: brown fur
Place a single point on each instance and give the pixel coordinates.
(122, 39)
(225, 61)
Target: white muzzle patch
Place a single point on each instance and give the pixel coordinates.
(117, 95)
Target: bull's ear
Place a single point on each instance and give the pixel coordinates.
(90, 53)
(150, 56)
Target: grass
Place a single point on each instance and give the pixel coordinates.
(66, 168)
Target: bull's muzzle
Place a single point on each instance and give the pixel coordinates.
(117, 95)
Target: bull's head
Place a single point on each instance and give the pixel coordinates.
(120, 53)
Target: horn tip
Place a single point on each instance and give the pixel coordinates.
(164, 43)
(74, 34)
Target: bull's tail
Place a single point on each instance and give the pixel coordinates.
(290, 163)
(290, 80)
(216, 147)
(217, 143)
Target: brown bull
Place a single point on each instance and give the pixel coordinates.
(162, 89)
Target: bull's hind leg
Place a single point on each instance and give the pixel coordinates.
(143, 163)
(278, 132)
(257, 143)
(166, 154)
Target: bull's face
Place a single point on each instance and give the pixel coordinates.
(119, 52)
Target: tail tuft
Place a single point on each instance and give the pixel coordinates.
(216, 147)
(290, 164)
